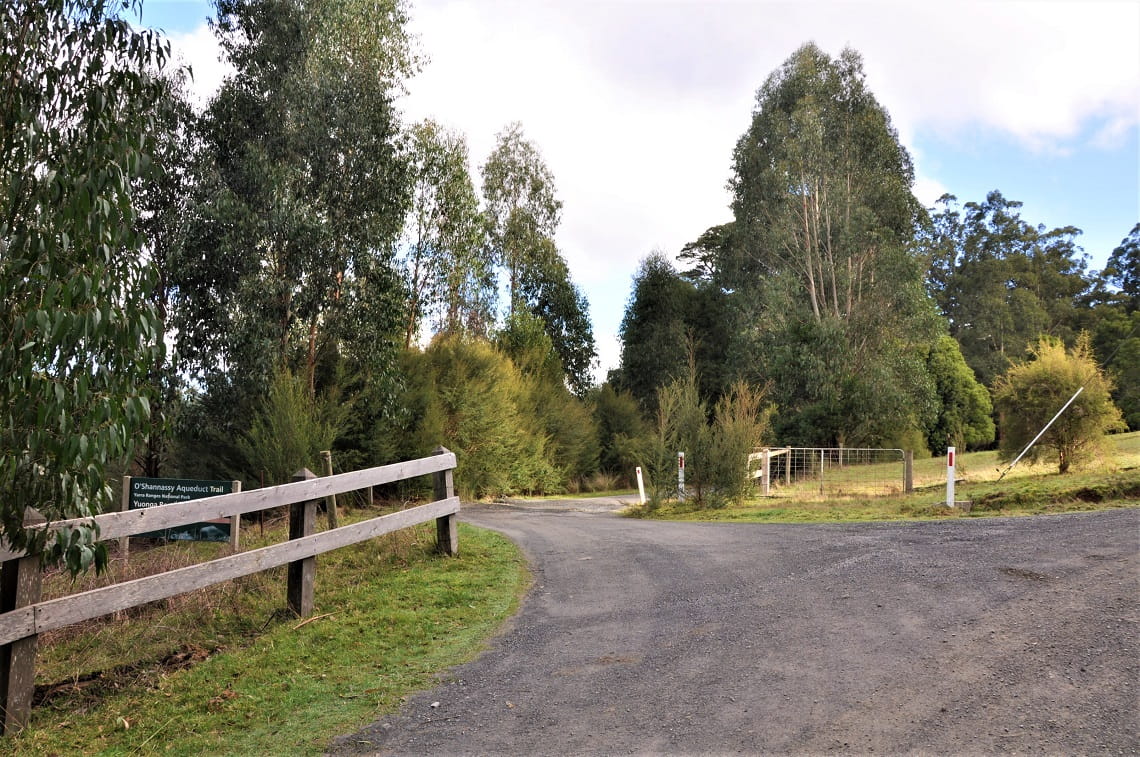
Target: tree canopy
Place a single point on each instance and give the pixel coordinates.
(305, 184)
(78, 331)
(1001, 282)
(445, 257)
(819, 265)
(523, 212)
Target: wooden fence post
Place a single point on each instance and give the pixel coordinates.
(124, 505)
(302, 519)
(235, 521)
(908, 471)
(446, 531)
(766, 475)
(20, 582)
(330, 501)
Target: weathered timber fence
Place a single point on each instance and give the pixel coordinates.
(23, 616)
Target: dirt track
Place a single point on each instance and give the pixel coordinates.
(966, 636)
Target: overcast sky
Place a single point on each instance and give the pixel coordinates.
(636, 106)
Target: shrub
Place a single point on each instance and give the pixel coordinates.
(464, 394)
(740, 422)
(716, 453)
(1031, 393)
(289, 429)
(618, 420)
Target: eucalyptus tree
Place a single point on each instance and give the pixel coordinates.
(1113, 317)
(827, 285)
(550, 295)
(445, 258)
(522, 207)
(304, 189)
(1123, 269)
(522, 212)
(1000, 281)
(821, 185)
(655, 330)
(78, 330)
(165, 211)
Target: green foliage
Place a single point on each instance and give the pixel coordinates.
(831, 394)
(164, 218)
(445, 253)
(464, 394)
(964, 419)
(815, 288)
(821, 189)
(655, 330)
(522, 213)
(290, 429)
(1124, 370)
(1032, 392)
(1123, 269)
(1114, 318)
(1000, 282)
(561, 307)
(678, 427)
(78, 330)
(716, 452)
(521, 204)
(303, 188)
(619, 422)
(740, 422)
(524, 340)
(565, 421)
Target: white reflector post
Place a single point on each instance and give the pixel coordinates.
(681, 475)
(950, 476)
(640, 485)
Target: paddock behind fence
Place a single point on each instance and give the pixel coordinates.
(810, 472)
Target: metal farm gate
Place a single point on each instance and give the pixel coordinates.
(831, 471)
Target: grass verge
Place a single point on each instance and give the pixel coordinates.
(1025, 491)
(229, 673)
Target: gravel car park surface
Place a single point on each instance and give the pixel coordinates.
(960, 636)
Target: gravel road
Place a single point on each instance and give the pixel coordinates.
(641, 637)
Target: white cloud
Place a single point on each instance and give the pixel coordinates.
(1039, 72)
(928, 190)
(200, 50)
(636, 105)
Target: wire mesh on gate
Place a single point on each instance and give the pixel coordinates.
(829, 471)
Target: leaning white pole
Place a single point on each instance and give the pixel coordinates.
(1040, 434)
(640, 485)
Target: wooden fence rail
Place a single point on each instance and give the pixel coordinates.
(23, 616)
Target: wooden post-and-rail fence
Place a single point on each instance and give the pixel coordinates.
(23, 616)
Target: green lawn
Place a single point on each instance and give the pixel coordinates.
(226, 672)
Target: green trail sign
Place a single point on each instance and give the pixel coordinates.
(152, 492)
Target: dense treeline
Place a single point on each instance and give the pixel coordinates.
(870, 320)
(324, 241)
(225, 292)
